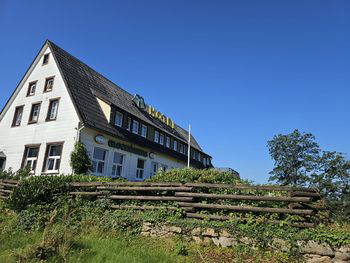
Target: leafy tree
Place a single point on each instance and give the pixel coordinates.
(295, 157)
(79, 159)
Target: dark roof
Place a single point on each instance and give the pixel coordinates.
(85, 84)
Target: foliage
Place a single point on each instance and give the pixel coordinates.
(295, 157)
(190, 175)
(41, 190)
(79, 159)
(299, 161)
(19, 175)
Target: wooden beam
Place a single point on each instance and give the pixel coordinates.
(226, 218)
(10, 181)
(83, 184)
(249, 208)
(150, 198)
(247, 197)
(145, 188)
(8, 185)
(86, 193)
(305, 194)
(251, 187)
(6, 191)
(145, 207)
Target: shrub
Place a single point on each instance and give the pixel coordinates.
(19, 175)
(80, 160)
(190, 175)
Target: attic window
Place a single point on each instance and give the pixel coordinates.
(46, 59)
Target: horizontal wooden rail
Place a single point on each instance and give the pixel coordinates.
(306, 194)
(87, 193)
(87, 184)
(146, 188)
(249, 208)
(251, 187)
(10, 181)
(8, 185)
(224, 218)
(247, 197)
(6, 191)
(150, 198)
(136, 207)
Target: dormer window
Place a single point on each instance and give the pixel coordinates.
(49, 84)
(118, 119)
(46, 59)
(31, 88)
(135, 127)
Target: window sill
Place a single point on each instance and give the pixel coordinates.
(32, 122)
(48, 120)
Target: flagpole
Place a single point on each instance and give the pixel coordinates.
(189, 146)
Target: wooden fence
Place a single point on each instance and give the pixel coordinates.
(197, 200)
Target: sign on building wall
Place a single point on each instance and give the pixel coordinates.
(127, 148)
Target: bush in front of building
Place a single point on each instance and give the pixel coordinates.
(19, 175)
(80, 160)
(190, 175)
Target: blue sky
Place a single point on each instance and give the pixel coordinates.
(238, 71)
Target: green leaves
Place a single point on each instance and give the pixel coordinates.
(80, 160)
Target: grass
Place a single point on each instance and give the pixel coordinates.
(60, 243)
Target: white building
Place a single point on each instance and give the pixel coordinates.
(61, 100)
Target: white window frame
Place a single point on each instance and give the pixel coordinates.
(32, 160)
(144, 130)
(52, 115)
(34, 113)
(156, 136)
(135, 124)
(167, 142)
(120, 120)
(154, 168)
(54, 158)
(31, 85)
(161, 138)
(49, 87)
(115, 165)
(96, 162)
(175, 145)
(129, 124)
(140, 172)
(18, 116)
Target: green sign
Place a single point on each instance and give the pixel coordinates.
(127, 148)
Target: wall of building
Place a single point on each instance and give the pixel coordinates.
(14, 139)
(87, 136)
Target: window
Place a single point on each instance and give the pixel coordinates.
(17, 118)
(161, 139)
(186, 150)
(53, 109)
(156, 136)
(175, 145)
(118, 119)
(117, 164)
(140, 168)
(143, 130)
(49, 84)
(98, 161)
(31, 157)
(164, 167)
(199, 157)
(46, 59)
(53, 158)
(129, 124)
(34, 113)
(155, 167)
(167, 143)
(181, 148)
(31, 88)
(2, 163)
(135, 127)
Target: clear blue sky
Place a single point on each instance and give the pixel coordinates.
(238, 71)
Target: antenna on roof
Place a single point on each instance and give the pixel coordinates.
(189, 146)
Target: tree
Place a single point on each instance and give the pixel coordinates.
(79, 159)
(295, 157)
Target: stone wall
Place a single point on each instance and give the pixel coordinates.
(312, 251)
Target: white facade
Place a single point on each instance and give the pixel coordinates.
(14, 139)
(130, 160)
(64, 129)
